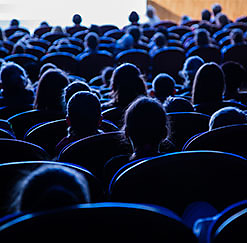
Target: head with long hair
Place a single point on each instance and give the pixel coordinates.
(208, 84)
(127, 84)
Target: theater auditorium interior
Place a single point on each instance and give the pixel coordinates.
(123, 121)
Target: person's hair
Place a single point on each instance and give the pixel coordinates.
(206, 14)
(49, 187)
(202, 37)
(208, 84)
(77, 19)
(46, 67)
(145, 122)
(160, 39)
(222, 20)
(84, 113)
(216, 8)
(235, 75)
(133, 17)
(13, 77)
(237, 36)
(73, 88)
(178, 104)
(14, 22)
(135, 32)
(163, 86)
(150, 11)
(227, 116)
(127, 84)
(50, 89)
(106, 75)
(91, 40)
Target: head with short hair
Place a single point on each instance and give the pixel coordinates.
(237, 36)
(216, 8)
(91, 40)
(135, 32)
(14, 23)
(208, 84)
(84, 113)
(49, 187)
(202, 37)
(221, 20)
(206, 14)
(127, 84)
(163, 86)
(145, 122)
(178, 104)
(77, 19)
(227, 116)
(160, 39)
(133, 17)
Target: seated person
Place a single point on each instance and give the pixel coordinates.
(157, 42)
(83, 118)
(49, 187)
(227, 116)
(178, 104)
(77, 25)
(163, 86)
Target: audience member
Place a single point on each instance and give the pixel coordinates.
(216, 9)
(163, 86)
(91, 42)
(16, 87)
(202, 37)
(77, 25)
(137, 37)
(157, 43)
(178, 104)
(83, 118)
(152, 16)
(235, 76)
(221, 20)
(49, 91)
(237, 37)
(227, 116)
(50, 187)
(126, 42)
(206, 15)
(190, 67)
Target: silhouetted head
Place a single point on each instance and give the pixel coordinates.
(49, 187)
(160, 39)
(14, 23)
(221, 20)
(127, 84)
(50, 89)
(133, 17)
(135, 32)
(227, 116)
(145, 123)
(13, 77)
(202, 37)
(73, 88)
(84, 113)
(91, 40)
(237, 36)
(206, 14)
(178, 104)
(208, 84)
(77, 19)
(163, 86)
(46, 67)
(216, 8)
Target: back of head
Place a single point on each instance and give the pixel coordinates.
(135, 32)
(145, 122)
(84, 113)
(91, 40)
(50, 90)
(178, 104)
(133, 17)
(235, 75)
(190, 67)
(13, 77)
(237, 36)
(160, 39)
(77, 19)
(127, 84)
(202, 37)
(163, 86)
(227, 116)
(150, 11)
(73, 88)
(50, 187)
(14, 23)
(208, 84)
(222, 20)
(206, 14)
(216, 8)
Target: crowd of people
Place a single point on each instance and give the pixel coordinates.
(137, 104)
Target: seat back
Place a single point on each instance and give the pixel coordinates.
(94, 151)
(136, 56)
(90, 65)
(178, 179)
(65, 61)
(114, 222)
(11, 173)
(22, 122)
(227, 139)
(169, 60)
(184, 125)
